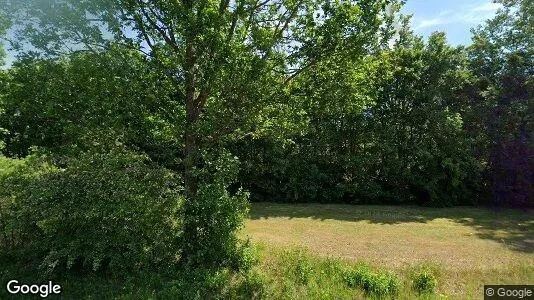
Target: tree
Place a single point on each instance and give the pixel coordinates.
(386, 127)
(4, 24)
(80, 102)
(225, 59)
(502, 56)
(416, 125)
(199, 42)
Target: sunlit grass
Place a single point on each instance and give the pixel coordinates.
(469, 247)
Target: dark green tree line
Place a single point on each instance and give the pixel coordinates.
(502, 58)
(386, 128)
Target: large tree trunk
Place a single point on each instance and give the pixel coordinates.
(192, 116)
(191, 153)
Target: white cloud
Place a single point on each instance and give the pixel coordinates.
(431, 22)
(467, 14)
(489, 6)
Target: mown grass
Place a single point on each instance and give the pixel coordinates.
(467, 247)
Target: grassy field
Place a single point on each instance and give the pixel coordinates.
(466, 247)
(317, 251)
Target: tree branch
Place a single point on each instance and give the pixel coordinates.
(159, 29)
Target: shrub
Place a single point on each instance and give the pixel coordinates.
(253, 286)
(298, 265)
(222, 283)
(247, 256)
(332, 267)
(379, 284)
(7, 167)
(424, 282)
(212, 219)
(357, 276)
(198, 283)
(101, 211)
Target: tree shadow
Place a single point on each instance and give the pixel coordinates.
(510, 227)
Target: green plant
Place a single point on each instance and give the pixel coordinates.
(298, 265)
(424, 282)
(247, 256)
(111, 211)
(332, 267)
(212, 219)
(379, 284)
(254, 285)
(356, 277)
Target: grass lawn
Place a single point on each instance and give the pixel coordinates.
(468, 247)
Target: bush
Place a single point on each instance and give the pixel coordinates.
(332, 267)
(112, 211)
(213, 218)
(223, 283)
(7, 167)
(197, 284)
(379, 284)
(254, 286)
(357, 276)
(424, 282)
(298, 265)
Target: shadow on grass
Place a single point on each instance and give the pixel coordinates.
(510, 227)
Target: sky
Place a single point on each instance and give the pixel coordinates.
(454, 17)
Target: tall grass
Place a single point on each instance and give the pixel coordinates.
(292, 273)
(297, 274)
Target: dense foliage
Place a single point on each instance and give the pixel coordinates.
(133, 132)
(388, 131)
(115, 211)
(502, 58)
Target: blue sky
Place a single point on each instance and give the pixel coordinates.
(455, 17)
